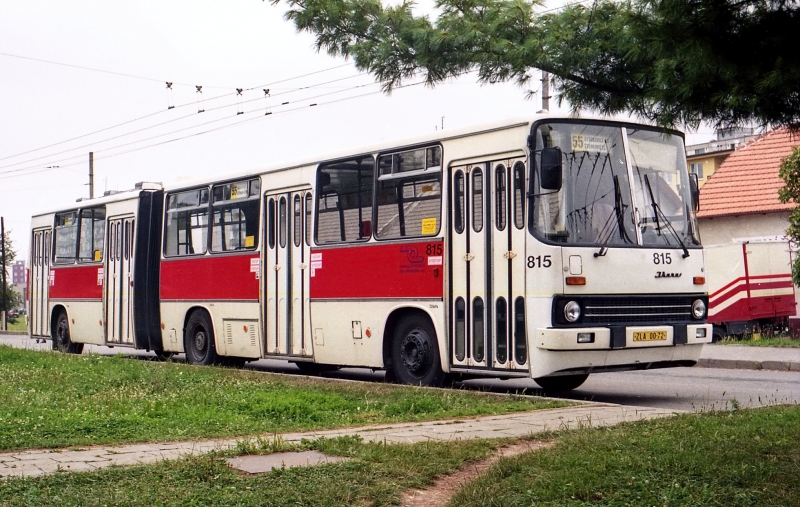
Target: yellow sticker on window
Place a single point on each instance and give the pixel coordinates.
(249, 241)
(428, 226)
(97, 255)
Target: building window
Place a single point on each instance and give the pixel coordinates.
(697, 168)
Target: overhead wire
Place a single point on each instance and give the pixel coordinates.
(61, 162)
(236, 123)
(167, 110)
(191, 115)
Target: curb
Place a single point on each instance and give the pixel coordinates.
(15, 333)
(743, 364)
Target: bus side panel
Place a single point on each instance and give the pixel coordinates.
(210, 278)
(146, 312)
(354, 289)
(227, 287)
(398, 270)
(80, 290)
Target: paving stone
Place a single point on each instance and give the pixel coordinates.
(265, 463)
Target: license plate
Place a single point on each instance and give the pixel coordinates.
(649, 336)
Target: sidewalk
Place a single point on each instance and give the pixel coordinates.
(32, 463)
(742, 357)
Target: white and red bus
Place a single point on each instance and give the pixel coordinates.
(548, 248)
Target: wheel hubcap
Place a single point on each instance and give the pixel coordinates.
(415, 351)
(200, 340)
(62, 333)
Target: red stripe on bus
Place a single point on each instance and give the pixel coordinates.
(404, 270)
(227, 277)
(753, 286)
(75, 282)
(755, 277)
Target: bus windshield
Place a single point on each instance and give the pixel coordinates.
(621, 187)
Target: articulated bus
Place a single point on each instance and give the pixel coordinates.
(546, 247)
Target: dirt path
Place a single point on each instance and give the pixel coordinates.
(438, 494)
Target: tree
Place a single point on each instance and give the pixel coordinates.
(790, 173)
(671, 61)
(13, 300)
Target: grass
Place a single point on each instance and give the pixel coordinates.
(739, 458)
(376, 476)
(17, 324)
(778, 341)
(57, 400)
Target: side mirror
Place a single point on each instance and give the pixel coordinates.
(694, 188)
(551, 169)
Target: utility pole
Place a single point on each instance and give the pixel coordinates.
(545, 91)
(91, 175)
(3, 267)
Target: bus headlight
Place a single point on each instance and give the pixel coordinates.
(572, 311)
(698, 309)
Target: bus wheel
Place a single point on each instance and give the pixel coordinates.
(61, 340)
(561, 383)
(415, 353)
(199, 340)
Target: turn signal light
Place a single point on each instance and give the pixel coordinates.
(699, 280)
(576, 280)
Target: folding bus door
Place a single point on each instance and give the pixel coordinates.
(507, 262)
(287, 320)
(39, 283)
(118, 304)
(469, 267)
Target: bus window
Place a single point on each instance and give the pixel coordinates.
(477, 200)
(309, 207)
(298, 221)
(520, 346)
(458, 212)
(282, 222)
(344, 200)
(477, 329)
(409, 194)
(271, 223)
(501, 319)
(93, 229)
(186, 227)
(500, 199)
(235, 225)
(519, 195)
(460, 329)
(66, 237)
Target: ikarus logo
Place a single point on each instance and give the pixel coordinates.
(664, 274)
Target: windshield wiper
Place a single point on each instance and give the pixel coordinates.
(657, 211)
(619, 209)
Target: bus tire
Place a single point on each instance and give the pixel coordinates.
(415, 353)
(61, 340)
(198, 341)
(562, 382)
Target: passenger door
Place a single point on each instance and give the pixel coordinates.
(488, 265)
(287, 319)
(118, 300)
(39, 283)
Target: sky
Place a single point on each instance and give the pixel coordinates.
(53, 114)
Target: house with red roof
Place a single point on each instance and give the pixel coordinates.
(740, 201)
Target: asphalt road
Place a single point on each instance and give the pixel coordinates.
(690, 389)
